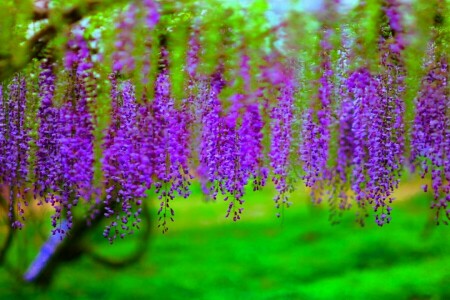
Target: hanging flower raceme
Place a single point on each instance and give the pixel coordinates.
(121, 161)
(346, 146)
(48, 167)
(248, 108)
(3, 135)
(231, 152)
(123, 59)
(14, 139)
(340, 183)
(316, 128)
(77, 155)
(231, 173)
(281, 140)
(65, 156)
(361, 88)
(77, 145)
(48, 162)
(251, 147)
(431, 134)
(152, 16)
(392, 9)
(128, 23)
(385, 152)
(170, 149)
(378, 130)
(209, 156)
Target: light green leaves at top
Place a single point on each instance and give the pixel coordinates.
(256, 37)
(415, 53)
(178, 40)
(445, 33)
(14, 20)
(365, 23)
(304, 35)
(211, 23)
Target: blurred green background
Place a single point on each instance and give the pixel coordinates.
(300, 256)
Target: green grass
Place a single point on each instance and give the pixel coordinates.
(204, 256)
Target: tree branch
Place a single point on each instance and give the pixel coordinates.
(72, 247)
(68, 14)
(42, 13)
(10, 64)
(69, 249)
(136, 256)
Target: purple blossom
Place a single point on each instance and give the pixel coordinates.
(152, 15)
(314, 148)
(251, 147)
(48, 169)
(231, 143)
(65, 154)
(14, 139)
(171, 150)
(378, 130)
(431, 133)
(392, 9)
(120, 164)
(281, 139)
(122, 57)
(48, 161)
(193, 54)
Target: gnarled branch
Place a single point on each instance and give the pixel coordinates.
(136, 256)
(10, 64)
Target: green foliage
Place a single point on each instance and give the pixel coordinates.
(179, 27)
(210, 37)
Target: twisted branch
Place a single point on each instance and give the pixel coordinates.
(73, 247)
(10, 64)
(136, 256)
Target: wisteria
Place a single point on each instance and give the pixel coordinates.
(263, 112)
(281, 139)
(15, 147)
(431, 133)
(316, 128)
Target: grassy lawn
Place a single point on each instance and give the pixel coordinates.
(302, 256)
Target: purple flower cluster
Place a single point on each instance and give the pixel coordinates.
(171, 149)
(47, 164)
(65, 151)
(48, 171)
(152, 16)
(121, 163)
(77, 56)
(77, 143)
(251, 147)
(231, 152)
(14, 147)
(147, 145)
(192, 57)
(378, 146)
(3, 134)
(431, 134)
(219, 155)
(282, 117)
(316, 130)
(123, 59)
(392, 10)
(346, 147)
